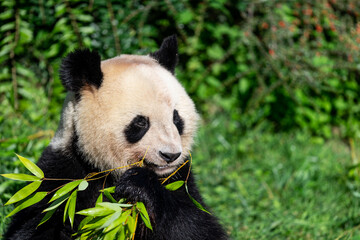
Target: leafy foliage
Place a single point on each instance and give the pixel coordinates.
(268, 65)
(107, 220)
(293, 63)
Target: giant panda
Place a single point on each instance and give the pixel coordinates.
(116, 111)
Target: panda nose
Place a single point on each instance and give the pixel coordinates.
(169, 157)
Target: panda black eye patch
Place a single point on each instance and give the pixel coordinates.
(136, 129)
(179, 123)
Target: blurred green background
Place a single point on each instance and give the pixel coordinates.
(276, 83)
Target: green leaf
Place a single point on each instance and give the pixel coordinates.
(65, 189)
(144, 214)
(66, 213)
(109, 189)
(7, 27)
(47, 216)
(57, 203)
(52, 51)
(122, 234)
(97, 211)
(83, 185)
(31, 201)
(197, 204)
(72, 206)
(31, 166)
(85, 221)
(185, 17)
(21, 177)
(111, 219)
(111, 235)
(215, 51)
(124, 205)
(124, 216)
(118, 222)
(7, 14)
(131, 223)
(100, 198)
(112, 206)
(174, 186)
(81, 235)
(97, 224)
(110, 197)
(107, 192)
(24, 192)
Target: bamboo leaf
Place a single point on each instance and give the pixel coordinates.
(124, 216)
(118, 222)
(47, 216)
(111, 234)
(131, 223)
(174, 186)
(112, 206)
(31, 201)
(72, 206)
(66, 213)
(97, 224)
(124, 205)
(110, 197)
(65, 189)
(197, 204)
(109, 189)
(57, 203)
(111, 219)
(122, 234)
(21, 177)
(95, 212)
(24, 192)
(100, 198)
(86, 231)
(85, 236)
(83, 185)
(31, 166)
(144, 214)
(85, 221)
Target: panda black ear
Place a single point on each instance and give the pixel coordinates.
(167, 55)
(80, 68)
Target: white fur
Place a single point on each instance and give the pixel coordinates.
(132, 85)
(64, 133)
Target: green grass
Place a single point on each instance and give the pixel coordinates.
(260, 185)
(278, 186)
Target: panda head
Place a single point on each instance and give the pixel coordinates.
(121, 108)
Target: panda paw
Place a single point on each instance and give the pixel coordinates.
(139, 185)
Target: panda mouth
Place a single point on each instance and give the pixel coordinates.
(162, 167)
(155, 167)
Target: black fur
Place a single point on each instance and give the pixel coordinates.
(173, 215)
(137, 129)
(178, 121)
(167, 55)
(80, 68)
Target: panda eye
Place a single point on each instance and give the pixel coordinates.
(137, 128)
(141, 122)
(179, 123)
